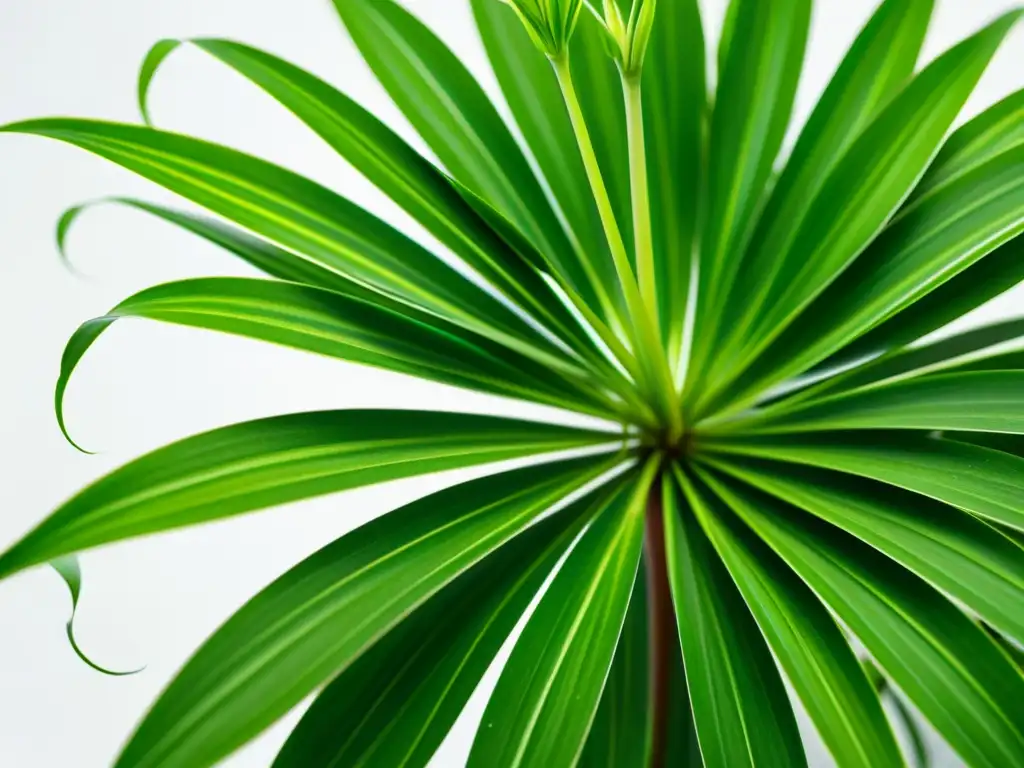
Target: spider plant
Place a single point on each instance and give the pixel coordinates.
(796, 491)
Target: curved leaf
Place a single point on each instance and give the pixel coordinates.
(287, 209)
(407, 178)
(876, 67)
(740, 707)
(757, 87)
(941, 659)
(982, 401)
(396, 703)
(384, 333)
(548, 693)
(982, 481)
(809, 645)
(318, 618)
(273, 461)
(458, 122)
(956, 552)
(866, 186)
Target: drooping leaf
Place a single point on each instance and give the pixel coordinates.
(318, 618)
(548, 693)
(956, 552)
(809, 645)
(396, 703)
(68, 568)
(405, 176)
(287, 209)
(372, 330)
(740, 708)
(756, 90)
(458, 122)
(874, 176)
(957, 678)
(983, 401)
(273, 461)
(876, 67)
(980, 480)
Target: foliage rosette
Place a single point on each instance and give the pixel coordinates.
(801, 491)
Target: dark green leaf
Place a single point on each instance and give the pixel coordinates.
(979, 480)
(320, 617)
(273, 461)
(740, 707)
(396, 703)
(982, 401)
(548, 693)
(941, 659)
(955, 551)
(807, 642)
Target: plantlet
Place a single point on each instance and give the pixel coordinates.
(797, 481)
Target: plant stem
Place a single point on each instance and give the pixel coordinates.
(639, 192)
(661, 629)
(647, 338)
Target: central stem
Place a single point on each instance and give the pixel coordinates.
(661, 629)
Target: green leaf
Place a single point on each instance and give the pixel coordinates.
(998, 129)
(941, 659)
(267, 257)
(273, 461)
(531, 90)
(621, 731)
(371, 330)
(675, 101)
(875, 68)
(289, 210)
(979, 480)
(866, 186)
(995, 274)
(396, 703)
(954, 551)
(68, 568)
(458, 122)
(317, 619)
(982, 401)
(407, 178)
(740, 707)
(923, 247)
(548, 693)
(807, 642)
(971, 350)
(757, 86)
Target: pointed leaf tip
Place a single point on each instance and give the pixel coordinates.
(70, 571)
(154, 58)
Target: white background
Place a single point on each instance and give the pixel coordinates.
(153, 601)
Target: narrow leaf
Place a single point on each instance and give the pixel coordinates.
(396, 703)
(807, 642)
(954, 551)
(548, 693)
(980, 480)
(740, 707)
(273, 461)
(318, 618)
(941, 659)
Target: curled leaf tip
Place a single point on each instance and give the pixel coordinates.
(64, 223)
(154, 58)
(70, 571)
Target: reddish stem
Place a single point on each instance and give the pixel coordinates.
(660, 625)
